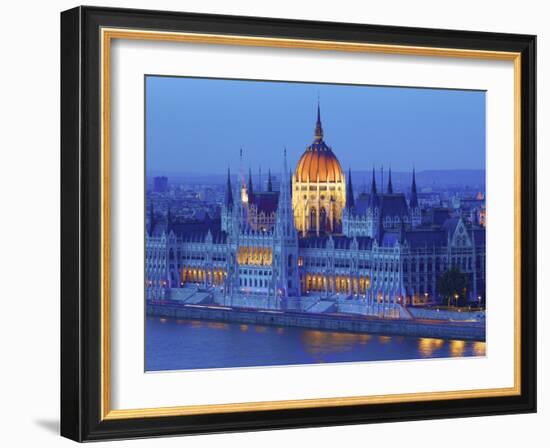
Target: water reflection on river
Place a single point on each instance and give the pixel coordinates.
(192, 344)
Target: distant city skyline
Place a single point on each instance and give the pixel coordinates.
(198, 126)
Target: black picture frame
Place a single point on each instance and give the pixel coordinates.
(81, 224)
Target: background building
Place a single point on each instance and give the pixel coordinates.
(160, 184)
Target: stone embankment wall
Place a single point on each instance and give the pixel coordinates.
(442, 330)
(433, 313)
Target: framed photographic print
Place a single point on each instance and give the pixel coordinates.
(273, 223)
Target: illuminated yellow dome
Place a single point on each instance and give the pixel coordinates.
(318, 163)
(318, 188)
(319, 166)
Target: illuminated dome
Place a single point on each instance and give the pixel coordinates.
(315, 163)
(318, 188)
(318, 162)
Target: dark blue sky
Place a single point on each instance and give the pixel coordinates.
(198, 125)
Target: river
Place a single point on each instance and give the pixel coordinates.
(172, 344)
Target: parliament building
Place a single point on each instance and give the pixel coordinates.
(315, 236)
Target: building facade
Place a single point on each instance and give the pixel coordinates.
(315, 237)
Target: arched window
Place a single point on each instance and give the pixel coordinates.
(312, 218)
(323, 220)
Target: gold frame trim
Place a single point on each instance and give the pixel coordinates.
(107, 35)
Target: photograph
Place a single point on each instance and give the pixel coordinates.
(290, 223)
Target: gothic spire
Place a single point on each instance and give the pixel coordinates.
(318, 125)
(151, 218)
(373, 198)
(285, 217)
(228, 191)
(285, 167)
(250, 189)
(241, 170)
(373, 183)
(169, 219)
(269, 182)
(414, 195)
(260, 179)
(350, 199)
(390, 186)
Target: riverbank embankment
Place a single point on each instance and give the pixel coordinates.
(324, 322)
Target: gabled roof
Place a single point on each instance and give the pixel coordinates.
(421, 238)
(266, 201)
(390, 204)
(450, 224)
(158, 229)
(183, 229)
(199, 236)
(394, 205)
(362, 204)
(437, 216)
(389, 239)
(340, 242)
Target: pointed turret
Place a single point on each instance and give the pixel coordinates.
(250, 189)
(285, 217)
(269, 182)
(151, 219)
(228, 191)
(416, 214)
(169, 220)
(414, 195)
(238, 209)
(350, 199)
(390, 186)
(241, 170)
(285, 248)
(373, 199)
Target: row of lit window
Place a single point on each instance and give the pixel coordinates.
(253, 272)
(314, 188)
(255, 283)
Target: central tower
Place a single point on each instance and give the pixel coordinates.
(318, 188)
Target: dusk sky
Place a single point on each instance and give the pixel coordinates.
(198, 125)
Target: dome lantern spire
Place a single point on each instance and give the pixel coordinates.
(319, 172)
(318, 125)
